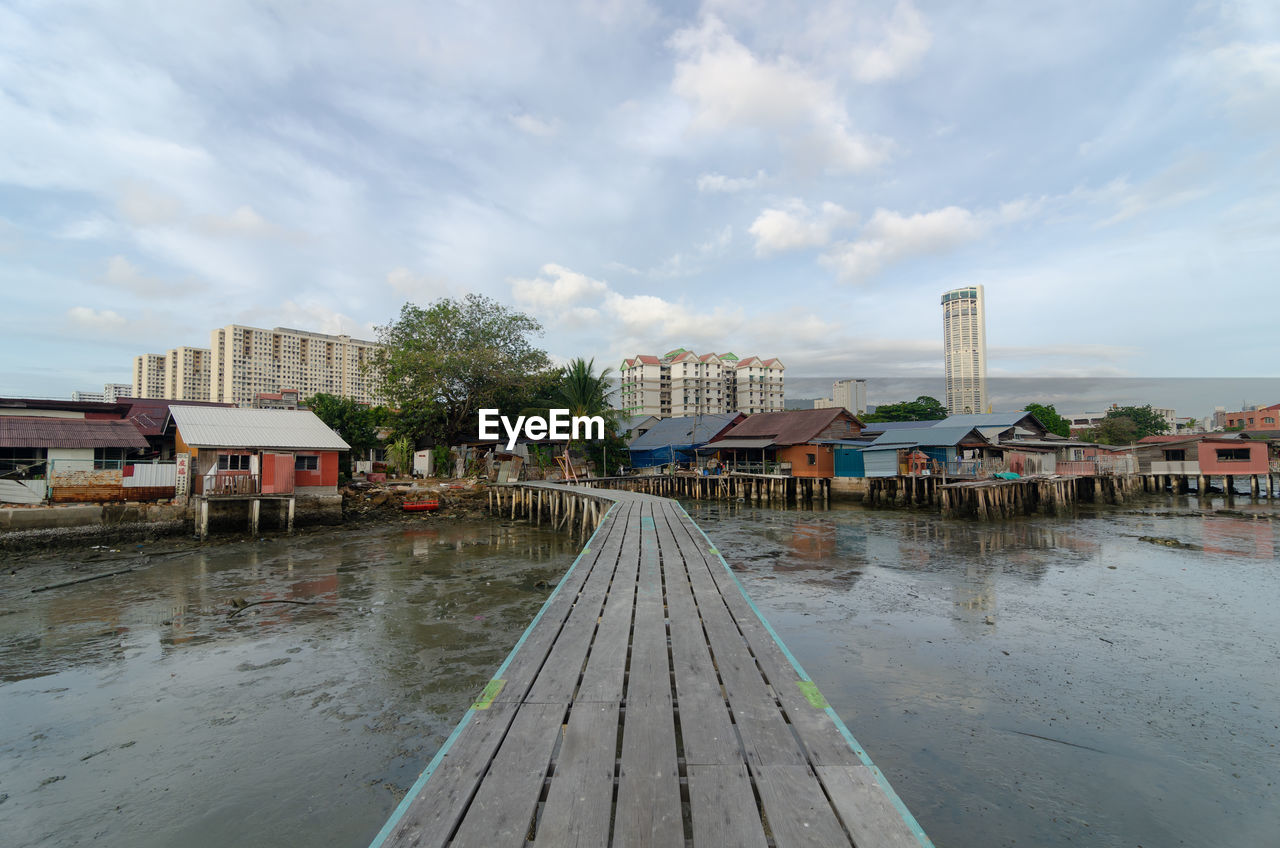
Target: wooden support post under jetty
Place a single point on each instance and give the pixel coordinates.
(649, 704)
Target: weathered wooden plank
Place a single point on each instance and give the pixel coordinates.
(723, 807)
(602, 680)
(801, 700)
(799, 814)
(765, 735)
(580, 799)
(706, 730)
(502, 810)
(865, 808)
(436, 811)
(558, 676)
(649, 812)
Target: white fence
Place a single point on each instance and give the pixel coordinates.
(138, 475)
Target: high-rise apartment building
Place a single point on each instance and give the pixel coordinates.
(964, 348)
(846, 394)
(186, 373)
(684, 383)
(148, 375)
(248, 361)
(109, 394)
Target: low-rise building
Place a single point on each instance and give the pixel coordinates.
(796, 442)
(1262, 418)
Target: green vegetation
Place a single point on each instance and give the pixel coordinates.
(1125, 425)
(355, 422)
(923, 408)
(441, 365)
(1049, 417)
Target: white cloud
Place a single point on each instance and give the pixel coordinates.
(890, 237)
(146, 206)
(244, 221)
(903, 39)
(317, 317)
(729, 89)
(533, 125)
(96, 319)
(794, 226)
(719, 183)
(556, 288)
(416, 287)
(123, 274)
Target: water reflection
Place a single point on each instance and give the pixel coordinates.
(1042, 681)
(139, 711)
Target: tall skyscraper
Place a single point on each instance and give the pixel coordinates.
(964, 348)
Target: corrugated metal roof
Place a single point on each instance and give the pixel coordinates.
(989, 419)
(686, 430)
(741, 444)
(936, 436)
(793, 427)
(21, 431)
(886, 426)
(280, 429)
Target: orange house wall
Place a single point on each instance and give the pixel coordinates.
(326, 476)
(1209, 463)
(800, 467)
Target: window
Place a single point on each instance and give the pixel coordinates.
(22, 463)
(812, 458)
(233, 462)
(1233, 454)
(1175, 456)
(108, 458)
(306, 463)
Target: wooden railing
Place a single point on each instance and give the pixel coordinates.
(224, 485)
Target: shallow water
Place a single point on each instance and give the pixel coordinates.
(138, 712)
(1122, 694)
(1042, 682)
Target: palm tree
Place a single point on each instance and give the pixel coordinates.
(584, 392)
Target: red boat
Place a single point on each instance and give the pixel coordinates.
(421, 506)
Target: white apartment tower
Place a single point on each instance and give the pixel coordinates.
(846, 394)
(964, 347)
(186, 373)
(683, 383)
(148, 375)
(248, 361)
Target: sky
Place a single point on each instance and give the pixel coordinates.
(799, 180)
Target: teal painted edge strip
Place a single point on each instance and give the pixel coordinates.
(830, 711)
(416, 789)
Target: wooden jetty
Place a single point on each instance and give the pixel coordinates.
(779, 489)
(647, 704)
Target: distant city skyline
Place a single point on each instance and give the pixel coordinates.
(802, 179)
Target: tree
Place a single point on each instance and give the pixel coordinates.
(1145, 419)
(579, 389)
(441, 365)
(1115, 430)
(355, 422)
(1049, 417)
(923, 408)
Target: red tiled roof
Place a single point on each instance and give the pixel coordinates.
(649, 360)
(21, 431)
(1160, 440)
(793, 427)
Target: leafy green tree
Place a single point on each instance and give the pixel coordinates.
(923, 408)
(1049, 417)
(441, 365)
(1115, 430)
(1146, 421)
(355, 422)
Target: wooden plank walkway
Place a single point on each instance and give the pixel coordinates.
(649, 704)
